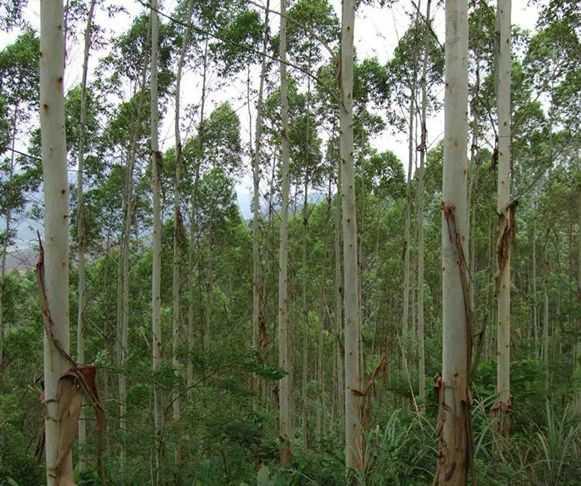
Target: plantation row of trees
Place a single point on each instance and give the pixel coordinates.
(374, 321)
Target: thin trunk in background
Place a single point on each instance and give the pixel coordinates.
(454, 421)
(258, 319)
(354, 453)
(420, 209)
(178, 224)
(405, 331)
(339, 339)
(284, 359)
(505, 211)
(81, 235)
(56, 203)
(156, 241)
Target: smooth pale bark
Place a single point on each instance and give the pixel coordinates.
(305, 370)
(284, 360)
(339, 356)
(505, 214)
(123, 313)
(156, 240)
(354, 454)
(56, 203)
(405, 332)
(257, 278)
(420, 217)
(82, 298)
(454, 456)
(177, 263)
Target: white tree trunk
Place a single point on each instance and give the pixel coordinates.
(56, 202)
(81, 234)
(156, 242)
(257, 284)
(454, 420)
(420, 209)
(354, 454)
(339, 355)
(284, 359)
(505, 213)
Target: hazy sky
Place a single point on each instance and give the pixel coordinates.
(377, 32)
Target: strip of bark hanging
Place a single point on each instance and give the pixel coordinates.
(506, 235)
(76, 381)
(462, 388)
(380, 370)
(456, 240)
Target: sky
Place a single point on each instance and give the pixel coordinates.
(377, 32)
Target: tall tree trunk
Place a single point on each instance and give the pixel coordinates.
(178, 226)
(259, 341)
(505, 212)
(420, 208)
(455, 438)
(305, 305)
(81, 235)
(339, 341)
(405, 331)
(156, 241)
(56, 202)
(284, 359)
(354, 453)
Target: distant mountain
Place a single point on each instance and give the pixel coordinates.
(21, 259)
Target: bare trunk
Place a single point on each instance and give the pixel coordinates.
(354, 453)
(455, 440)
(284, 360)
(257, 278)
(339, 341)
(81, 236)
(178, 227)
(420, 208)
(405, 332)
(505, 212)
(156, 241)
(56, 200)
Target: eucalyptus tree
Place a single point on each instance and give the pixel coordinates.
(19, 97)
(423, 148)
(284, 358)
(312, 29)
(408, 73)
(177, 257)
(505, 212)
(354, 448)
(124, 74)
(59, 470)
(156, 161)
(82, 301)
(453, 387)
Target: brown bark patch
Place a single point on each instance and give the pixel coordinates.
(79, 380)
